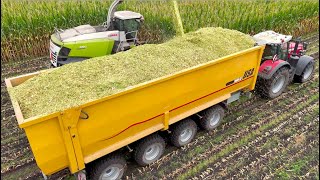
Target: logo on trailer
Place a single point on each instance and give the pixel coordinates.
(248, 73)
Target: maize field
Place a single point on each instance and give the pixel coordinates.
(258, 138)
(27, 24)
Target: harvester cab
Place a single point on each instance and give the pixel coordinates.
(283, 61)
(118, 33)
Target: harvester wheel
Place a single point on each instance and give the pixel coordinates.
(212, 117)
(306, 74)
(273, 87)
(149, 149)
(111, 168)
(183, 132)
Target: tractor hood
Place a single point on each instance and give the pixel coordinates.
(85, 32)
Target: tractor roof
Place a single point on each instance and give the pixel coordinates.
(127, 15)
(271, 37)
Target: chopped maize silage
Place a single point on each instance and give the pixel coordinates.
(77, 83)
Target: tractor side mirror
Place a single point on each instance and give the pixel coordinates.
(305, 45)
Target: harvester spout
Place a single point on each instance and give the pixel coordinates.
(112, 10)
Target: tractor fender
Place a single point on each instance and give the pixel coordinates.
(302, 63)
(269, 67)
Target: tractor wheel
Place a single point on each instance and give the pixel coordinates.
(111, 168)
(183, 132)
(273, 87)
(149, 149)
(306, 74)
(212, 117)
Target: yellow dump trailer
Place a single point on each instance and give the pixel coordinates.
(75, 137)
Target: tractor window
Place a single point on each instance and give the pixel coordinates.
(268, 53)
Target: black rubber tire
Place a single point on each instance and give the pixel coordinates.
(207, 116)
(144, 144)
(264, 86)
(96, 169)
(301, 79)
(178, 128)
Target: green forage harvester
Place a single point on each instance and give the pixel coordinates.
(78, 83)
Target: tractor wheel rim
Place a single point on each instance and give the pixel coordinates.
(215, 119)
(278, 84)
(307, 72)
(186, 135)
(111, 173)
(152, 152)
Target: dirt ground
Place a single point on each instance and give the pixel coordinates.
(258, 139)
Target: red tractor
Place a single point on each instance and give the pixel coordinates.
(283, 61)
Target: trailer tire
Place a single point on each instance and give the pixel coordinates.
(112, 167)
(183, 132)
(306, 75)
(149, 149)
(273, 87)
(212, 117)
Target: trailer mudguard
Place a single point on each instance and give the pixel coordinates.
(302, 63)
(269, 67)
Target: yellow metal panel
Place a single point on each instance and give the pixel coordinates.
(47, 144)
(68, 123)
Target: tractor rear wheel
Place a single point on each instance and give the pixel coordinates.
(273, 87)
(306, 74)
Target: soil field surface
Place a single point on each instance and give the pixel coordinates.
(258, 139)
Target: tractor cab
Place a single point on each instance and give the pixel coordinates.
(279, 46)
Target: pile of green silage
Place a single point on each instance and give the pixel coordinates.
(77, 83)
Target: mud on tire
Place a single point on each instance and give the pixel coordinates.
(306, 74)
(149, 149)
(212, 117)
(267, 88)
(111, 167)
(183, 132)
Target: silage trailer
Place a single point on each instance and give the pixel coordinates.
(87, 139)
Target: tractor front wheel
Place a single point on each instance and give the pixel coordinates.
(273, 87)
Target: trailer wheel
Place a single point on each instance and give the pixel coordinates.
(149, 149)
(306, 75)
(212, 117)
(273, 87)
(183, 132)
(110, 168)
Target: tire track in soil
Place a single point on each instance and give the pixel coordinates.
(292, 148)
(249, 153)
(310, 142)
(183, 152)
(41, 63)
(298, 155)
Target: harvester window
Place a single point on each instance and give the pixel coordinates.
(127, 25)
